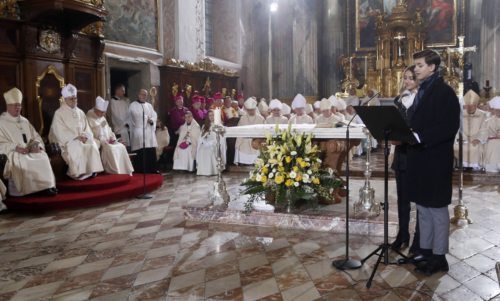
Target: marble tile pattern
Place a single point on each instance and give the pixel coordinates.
(147, 250)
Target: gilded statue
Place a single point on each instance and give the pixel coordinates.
(175, 89)
(207, 86)
(224, 92)
(8, 8)
(233, 94)
(188, 89)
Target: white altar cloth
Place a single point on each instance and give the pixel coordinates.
(260, 131)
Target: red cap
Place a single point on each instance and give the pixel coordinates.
(240, 96)
(210, 101)
(195, 99)
(217, 95)
(178, 96)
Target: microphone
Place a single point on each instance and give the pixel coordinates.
(371, 98)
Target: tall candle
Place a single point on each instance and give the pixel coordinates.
(366, 66)
(217, 116)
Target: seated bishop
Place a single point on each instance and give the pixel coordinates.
(114, 156)
(275, 117)
(491, 133)
(185, 151)
(28, 167)
(327, 117)
(299, 107)
(245, 151)
(472, 123)
(71, 130)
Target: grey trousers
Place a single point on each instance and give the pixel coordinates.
(434, 225)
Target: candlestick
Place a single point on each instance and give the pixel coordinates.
(217, 116)
(366, 66)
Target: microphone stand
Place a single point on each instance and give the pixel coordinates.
(347, 263)
(144, 195)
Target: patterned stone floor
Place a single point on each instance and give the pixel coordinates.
(145, 250)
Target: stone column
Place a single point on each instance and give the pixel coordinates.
(190, 30)
(331, 41)
(489, 48)
(472, 25)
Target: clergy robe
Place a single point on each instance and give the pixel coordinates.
(29, 172)
(83, 159)
(329, 121)
(163, 139)
(184, 157)
(304, 119)
(143, 131)
(492, 151)
(206, 154)
(244, 152)
(119, 112)
(230, 113)
(472, 154)
(276, 120)
(115, 158)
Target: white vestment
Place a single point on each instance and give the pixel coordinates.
(163, 139)
(184, 158)
(492, 151)
(83, 159)
(472, 124)
(136, 119)
(276, 120)
(244, 152)
(119, 112)
(304, 119)
(206, 155)
(115, 158)
(29, 172)
(331, 121)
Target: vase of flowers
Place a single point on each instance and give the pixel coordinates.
(289, 169)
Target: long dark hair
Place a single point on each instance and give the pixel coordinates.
(207, 124)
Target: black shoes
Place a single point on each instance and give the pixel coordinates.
(401, 242)
(51, 191)
(437, 263)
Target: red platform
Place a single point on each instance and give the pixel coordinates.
(103, 189)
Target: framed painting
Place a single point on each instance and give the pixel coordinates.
(134, 23)
(440, 16)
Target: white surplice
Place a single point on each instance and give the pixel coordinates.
(276, 120)
(206, 155)
(83, 159)
(184, 158)
(119, 112)
(115, 158)
(304, 119)
(138, 116)
(29, 172)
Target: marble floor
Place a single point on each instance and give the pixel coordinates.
(146, 250)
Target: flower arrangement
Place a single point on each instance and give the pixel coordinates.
(289, 169)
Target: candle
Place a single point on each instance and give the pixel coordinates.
(366, 65)
(217, 117)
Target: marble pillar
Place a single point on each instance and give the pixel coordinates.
(189, 30)
(489, 47)
(331, 44)
(227, 31)
(169, 21)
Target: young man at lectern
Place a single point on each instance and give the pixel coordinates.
(435, 121)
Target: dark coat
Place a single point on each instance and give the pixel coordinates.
(436, 120)
(399, 160)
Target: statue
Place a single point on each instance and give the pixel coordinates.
(175, 89)
(207, 87)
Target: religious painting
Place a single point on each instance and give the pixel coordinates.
(133, 22)
(440, 16)
(366, 12)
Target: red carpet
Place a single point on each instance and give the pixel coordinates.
(102, 189)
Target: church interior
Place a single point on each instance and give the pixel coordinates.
(212, 150)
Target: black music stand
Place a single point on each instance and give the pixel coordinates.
(385, 123)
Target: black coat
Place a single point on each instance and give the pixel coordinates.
(436, 120)
(399, 160)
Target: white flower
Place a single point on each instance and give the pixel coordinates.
(293, 153)
(258, 178)
(307, 159)
(270, 176)
(318, 160)
(293, 175)
(305, 178)
(296, 184)
(309, 172)
(274, 169)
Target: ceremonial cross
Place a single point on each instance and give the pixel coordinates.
(460, 51)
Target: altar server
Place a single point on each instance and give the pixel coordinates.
(245, 152)
(119, 110)
(71, 130)
(115, 158)
(327, 118)
(28, 167)
(492, 134)
(275, 105)
(142, 120)
(206, 155)
(299, 106)
(185, 151)
(472, 123)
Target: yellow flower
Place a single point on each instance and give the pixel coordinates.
(315, 181)
(298, 178)
(299, 159)
(303, 164)
(295, 168)
(288, 159)
(265, 170)
(279, 179)
(288, 183)
(263, 179)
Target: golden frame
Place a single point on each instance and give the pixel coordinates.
(51, 69)
(449, 43)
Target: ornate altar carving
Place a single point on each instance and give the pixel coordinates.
(9, 9)
(94, 29)
(205, 65)
(453, 59)
(49, 41)
(47, 87)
